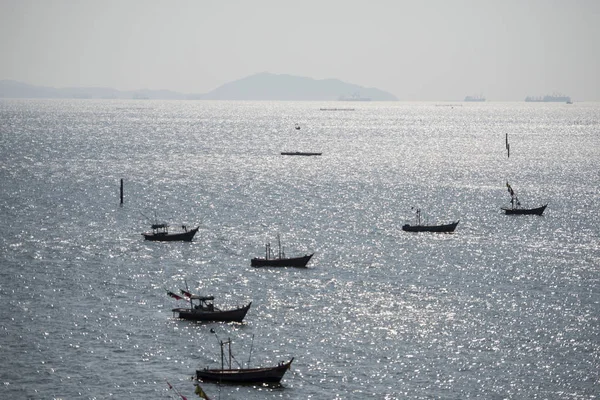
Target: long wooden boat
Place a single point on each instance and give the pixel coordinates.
(525, 211)
(160, 233)
(242, 375)
(419, 227)
(202, 308)
(447, 228)
(299, 153)
(245, 375)
(517, 209)
(279, 260)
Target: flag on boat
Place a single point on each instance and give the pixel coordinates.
(173, 295)
(201, 393)
(510, 190)
(185, 293)
(176, 391)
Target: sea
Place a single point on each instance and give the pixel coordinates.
(506, 307)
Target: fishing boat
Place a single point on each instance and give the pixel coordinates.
(299, 153)
(419, 227)
(202, 308)
(242, 375)
(517, 209)
(279, 260)
(161, 233)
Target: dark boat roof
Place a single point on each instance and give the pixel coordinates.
(201, 298)
(159, 226)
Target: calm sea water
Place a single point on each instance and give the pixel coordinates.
(505, 308)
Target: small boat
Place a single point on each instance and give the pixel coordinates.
(299, 153)
(517, 209)
(242, 375)
(280, 260)
(202, 308)
(160, 233)
(419, 227)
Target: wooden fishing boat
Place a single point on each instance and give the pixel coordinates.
(524, 211)
(299, 153)
(517, 209)
(279, 260)
(161, 233)
(202, 308)
(447, 228)
(242, 375)
(419, 227)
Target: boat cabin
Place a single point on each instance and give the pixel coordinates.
(203, 303)
(163, 229)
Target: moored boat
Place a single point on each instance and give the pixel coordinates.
(419, 227)
(299, 153)
(161, 233)
(517, 209)
(242, 375)
(528, 211)
(279, 260)
(202, 308)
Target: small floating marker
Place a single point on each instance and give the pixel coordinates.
(121, 191)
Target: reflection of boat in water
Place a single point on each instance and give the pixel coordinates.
(242, 375)
(202, 308)
(160, 233)
(299, 153)
(515, 205)
(419, 227)
(553, 98)
(280, 260)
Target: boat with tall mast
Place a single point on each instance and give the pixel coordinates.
(280, 259)
(242, 375)
(419, 227)
(517, 209)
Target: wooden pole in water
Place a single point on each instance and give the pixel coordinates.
(121, 191)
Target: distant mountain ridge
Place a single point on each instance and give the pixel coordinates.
(262, 86)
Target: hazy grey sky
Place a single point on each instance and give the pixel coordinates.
(417, 50)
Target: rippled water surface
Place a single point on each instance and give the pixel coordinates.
(507, 307)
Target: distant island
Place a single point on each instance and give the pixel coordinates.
(262, 86)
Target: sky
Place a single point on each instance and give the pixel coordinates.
(419, 50)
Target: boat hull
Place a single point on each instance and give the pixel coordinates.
(245, 376)
(448, 228)
(171, 237)
(299, 153)
(236, 315)
(525, 211)
(281, 262)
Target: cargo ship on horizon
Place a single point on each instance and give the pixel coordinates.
(475, 98)
(553, 98)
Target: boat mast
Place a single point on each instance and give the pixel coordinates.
(228, 342)
(279, 244)
(251, 347)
